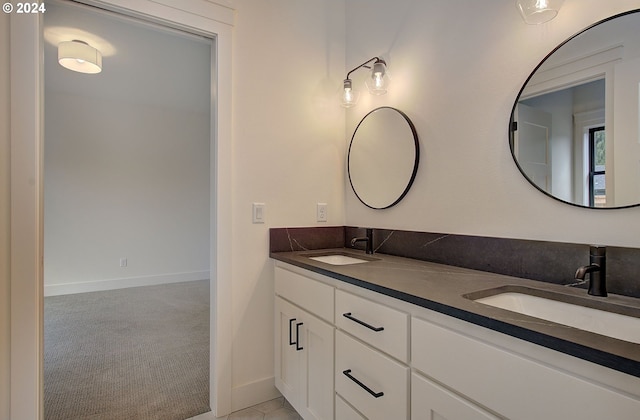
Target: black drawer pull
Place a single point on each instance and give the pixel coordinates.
(347, 373)
(291, 342)
(371, 327)
(298, 346)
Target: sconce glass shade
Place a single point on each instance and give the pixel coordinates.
(378, 83)
(535, 12)
(348, 95)
(79, 56)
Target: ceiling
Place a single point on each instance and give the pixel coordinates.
(142, 62)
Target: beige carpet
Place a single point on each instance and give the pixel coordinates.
(137, 353)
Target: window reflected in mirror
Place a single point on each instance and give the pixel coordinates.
(597, 163)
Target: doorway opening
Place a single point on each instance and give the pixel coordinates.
(126, 205)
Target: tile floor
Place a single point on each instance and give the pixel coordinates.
(276, 409)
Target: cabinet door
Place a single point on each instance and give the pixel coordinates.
(304, 361)
(430, 401)
(287, 358)
(316, 339)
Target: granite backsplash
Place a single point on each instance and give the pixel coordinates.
(552, 262)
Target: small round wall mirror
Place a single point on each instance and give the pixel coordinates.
(574, 129)
(383, 158)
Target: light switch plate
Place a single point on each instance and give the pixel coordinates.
(321, 212)
(258, 212)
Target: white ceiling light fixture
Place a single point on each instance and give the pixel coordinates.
(79, 56)
(535, 12)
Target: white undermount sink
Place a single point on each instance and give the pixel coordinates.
(338, 259)
(611, 324)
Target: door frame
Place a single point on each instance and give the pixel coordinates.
(27, 127)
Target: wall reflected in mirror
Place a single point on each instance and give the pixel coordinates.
(575, 125)
(383, 158)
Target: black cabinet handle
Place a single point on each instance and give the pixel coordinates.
(371, 327)
(298, 346)
(347, 373)
(291, 342)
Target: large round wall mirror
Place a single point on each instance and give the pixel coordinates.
(383, 157)
(574, 129)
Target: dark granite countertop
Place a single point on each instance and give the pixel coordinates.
(442, 288)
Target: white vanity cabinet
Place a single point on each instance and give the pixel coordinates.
(304, 344)
(347, 353)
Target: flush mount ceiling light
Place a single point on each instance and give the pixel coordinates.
(79, 56)
(377, 82)
(535, 12)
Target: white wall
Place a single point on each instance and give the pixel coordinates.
(458, 67)
(289, 153)
(5, 272)
(123, 180)
(126, 160)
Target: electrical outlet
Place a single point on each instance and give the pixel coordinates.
(321, 212)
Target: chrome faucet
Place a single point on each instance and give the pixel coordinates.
(597, 270)
(368, 239)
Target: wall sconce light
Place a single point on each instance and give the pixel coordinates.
(377, 83)
(79, 56)
(535, 12)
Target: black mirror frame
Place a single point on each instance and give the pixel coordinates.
(415, 164)
(513, 126)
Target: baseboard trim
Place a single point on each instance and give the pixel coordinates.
(122, 283)
(253, 393)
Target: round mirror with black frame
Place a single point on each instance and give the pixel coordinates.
(574, 128)
(383, 158)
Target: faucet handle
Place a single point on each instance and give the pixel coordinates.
(598, 250)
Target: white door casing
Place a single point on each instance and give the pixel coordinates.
(26, 45)
(532, 145)
(626, 126)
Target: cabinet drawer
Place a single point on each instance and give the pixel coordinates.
(345, 412)
(505, 382)
(377, 374)
(312, 295)
(384, 328)
(431, 401)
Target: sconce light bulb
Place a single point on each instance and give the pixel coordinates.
(541, 4)
(379, 81)
(349, 97)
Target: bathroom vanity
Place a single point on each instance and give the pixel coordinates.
(385, 337)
